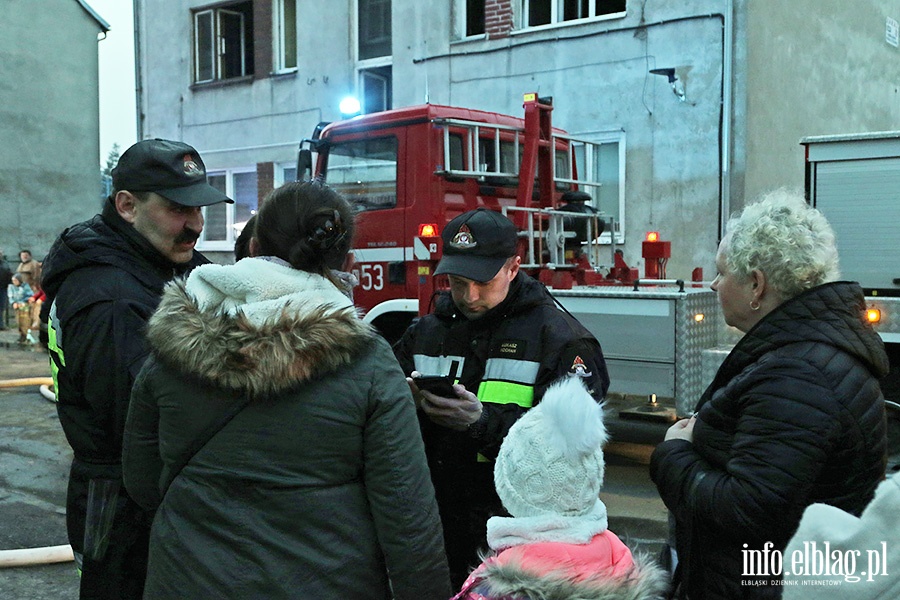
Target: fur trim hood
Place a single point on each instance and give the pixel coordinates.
(646, 581)
(258, 325)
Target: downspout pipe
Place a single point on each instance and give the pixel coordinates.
(727, 90)
(138, 80)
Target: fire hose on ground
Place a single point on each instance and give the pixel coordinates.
(23, 557)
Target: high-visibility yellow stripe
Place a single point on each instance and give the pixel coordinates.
(504, 392)
(53, 345)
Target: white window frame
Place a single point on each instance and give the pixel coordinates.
(217, 44)
(226, 245)
(282, 28)
(462, 15)
(556, 12)
(280, 168)
(611, 137)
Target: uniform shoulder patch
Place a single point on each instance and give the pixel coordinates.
(579, 368)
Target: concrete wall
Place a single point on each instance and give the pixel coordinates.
(49, 122)
(815, 69)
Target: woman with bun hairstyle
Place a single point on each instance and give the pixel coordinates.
(274, 432)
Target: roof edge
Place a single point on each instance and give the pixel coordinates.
(103, 24)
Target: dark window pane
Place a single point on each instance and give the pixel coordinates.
(374, 28)
(474, 17)
(606, 7)
(216, 226)
(538, 12)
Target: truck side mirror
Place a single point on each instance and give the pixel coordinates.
(304, 164)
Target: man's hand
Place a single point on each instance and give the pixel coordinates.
(682, 430)
(454, 413)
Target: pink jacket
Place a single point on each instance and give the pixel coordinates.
(602, 569)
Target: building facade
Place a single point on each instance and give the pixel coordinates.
(699, 104)
(50, 124)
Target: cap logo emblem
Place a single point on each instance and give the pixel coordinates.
(463, 239)
(579, 369)
(190, 167)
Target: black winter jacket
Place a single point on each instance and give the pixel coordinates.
(508, 358)
(794, 416)
(103, 281)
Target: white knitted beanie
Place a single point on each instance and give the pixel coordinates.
(551, 461)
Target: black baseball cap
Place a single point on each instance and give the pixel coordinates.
(173, 170)
(477, 244)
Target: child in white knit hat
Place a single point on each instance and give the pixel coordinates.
(556, 543)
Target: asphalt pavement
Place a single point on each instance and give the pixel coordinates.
(34, 467)
(35, 458)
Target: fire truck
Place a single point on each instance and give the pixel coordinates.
(409, 171)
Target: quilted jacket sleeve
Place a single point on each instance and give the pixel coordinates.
(784, 427)
(141, 461)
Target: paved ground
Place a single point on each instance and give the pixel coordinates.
(34, 463)
(35, 457)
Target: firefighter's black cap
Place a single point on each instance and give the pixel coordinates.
(173, 170)
(477, 244)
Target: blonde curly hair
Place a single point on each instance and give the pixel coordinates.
(785, 238)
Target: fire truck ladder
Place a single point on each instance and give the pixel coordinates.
(494, 151)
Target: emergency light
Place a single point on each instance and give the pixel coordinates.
(873, 315)
(428, 230)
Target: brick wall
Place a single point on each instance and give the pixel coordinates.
(265, 180)
(498, 18)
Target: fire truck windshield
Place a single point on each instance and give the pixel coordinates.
(365, 172)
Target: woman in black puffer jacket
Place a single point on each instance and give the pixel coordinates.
(794, 415)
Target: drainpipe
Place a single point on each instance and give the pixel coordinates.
(727, 88)
(138, 82)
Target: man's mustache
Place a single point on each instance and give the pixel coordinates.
(187, 236)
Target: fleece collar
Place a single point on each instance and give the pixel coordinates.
(258, 325)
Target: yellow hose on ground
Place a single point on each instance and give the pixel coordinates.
(24, 557)
(11, 383)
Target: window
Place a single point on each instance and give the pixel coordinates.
(474, 18)
(223, 221)
(285, 34)
(374, 25)
(223, 42)
(546, 12)
(606, 154)
(365, 172)
(375, 88)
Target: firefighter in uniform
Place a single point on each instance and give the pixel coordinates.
(501, 337)
(104, 278)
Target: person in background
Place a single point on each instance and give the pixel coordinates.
(37, 331)
(794, 416)
(18, 292)
(508, 341)
(5, 281)
(274, 433)
(28, 267)
(103, 279)
(556, 544)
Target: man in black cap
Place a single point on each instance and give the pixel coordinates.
(103, 280)
(501, 337)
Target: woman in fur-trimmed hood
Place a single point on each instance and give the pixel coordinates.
(556, 545)
(317, 486)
